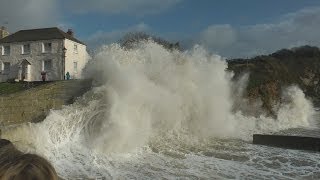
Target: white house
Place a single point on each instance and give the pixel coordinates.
(25, 54)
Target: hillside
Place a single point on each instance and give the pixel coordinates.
(269, 74)
(13, 87)
(31, 102)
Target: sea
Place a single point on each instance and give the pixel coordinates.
(155, 113)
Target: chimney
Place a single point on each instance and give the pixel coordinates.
(3, 32)
(70, 32)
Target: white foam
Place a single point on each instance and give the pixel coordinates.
(151, 98)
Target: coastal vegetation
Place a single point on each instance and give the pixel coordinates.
(130, 39)
(7, 88)
(270, 74)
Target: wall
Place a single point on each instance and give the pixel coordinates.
(81, 57)
(33, 105)
(35, 57)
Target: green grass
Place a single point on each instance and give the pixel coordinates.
(9, 88)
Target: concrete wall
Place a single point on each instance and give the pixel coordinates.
(80, 57)
(34, 104)
(36, 58)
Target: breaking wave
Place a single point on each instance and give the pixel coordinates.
(151, 100)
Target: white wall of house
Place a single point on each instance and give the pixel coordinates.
(40, 60)
(76, 58)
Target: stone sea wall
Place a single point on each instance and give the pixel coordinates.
(34, 104)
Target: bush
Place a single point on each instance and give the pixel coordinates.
(130, 39)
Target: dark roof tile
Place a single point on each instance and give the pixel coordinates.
(38, 34)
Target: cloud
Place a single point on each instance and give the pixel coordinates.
(28, 13)
(136, 7)
(294, 29)
(217, 36)
(107, 37)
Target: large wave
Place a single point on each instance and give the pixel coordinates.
(153, 95)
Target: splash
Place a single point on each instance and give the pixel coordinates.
(152, 95)
(152, 90)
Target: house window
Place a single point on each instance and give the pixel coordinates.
(5, 50)
(75, 48)
(47, 65)
(75, 66)
(47, 47)
(6, 67)
(26, 49)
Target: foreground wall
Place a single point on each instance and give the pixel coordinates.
(290, 142)
(33, 105)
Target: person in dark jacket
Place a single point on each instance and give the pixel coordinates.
(68, 75)
(43, 76)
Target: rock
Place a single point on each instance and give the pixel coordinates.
(269, 75)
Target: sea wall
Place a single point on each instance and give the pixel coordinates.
(290, 142)
(34, 104)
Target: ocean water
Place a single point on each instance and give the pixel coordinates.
(159, 114)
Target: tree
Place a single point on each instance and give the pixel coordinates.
(132, 38)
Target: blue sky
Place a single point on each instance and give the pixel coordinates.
(231, 28)
(191, 16)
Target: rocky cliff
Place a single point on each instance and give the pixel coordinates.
(270, 74)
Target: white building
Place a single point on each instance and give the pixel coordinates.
(25, 54)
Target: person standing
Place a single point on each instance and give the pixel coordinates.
(43, 76)
(68, 75)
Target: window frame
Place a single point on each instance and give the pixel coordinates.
(75, 66)
(44, 47)
(4, 70)
(3, 50)
(75, 48)
(23, 49)
(44, 65)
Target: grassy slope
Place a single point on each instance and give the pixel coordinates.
(9, 88)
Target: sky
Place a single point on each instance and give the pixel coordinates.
(231, 28)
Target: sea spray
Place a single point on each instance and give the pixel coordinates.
(151, 98)
(294, 111)
(155, 90)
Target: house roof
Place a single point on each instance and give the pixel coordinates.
(38, 34)
(25, 61)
